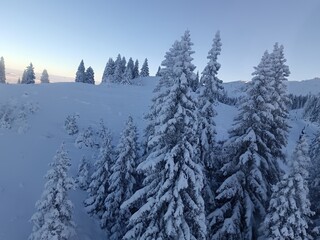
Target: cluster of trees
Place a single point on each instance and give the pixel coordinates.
(186, 185)
(119, 71)
(83, 75)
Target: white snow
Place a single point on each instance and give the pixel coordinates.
(24, 156)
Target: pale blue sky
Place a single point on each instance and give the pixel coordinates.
(57, 34)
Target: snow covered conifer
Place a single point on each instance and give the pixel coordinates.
(136, 69)
(280, 101)
(2, 71)
(118, 71)
(80, 74)
(53, 218)
(28, 76)
(173, 207)
(44, 77)
(108, 71)
(83, 178)
(209, 74)
(128, 74)
(144, 69)
(158, 74)
(98, 187)
(289, 210)
(71, 125)
(250, 169)
(89, 76)
(122, 183)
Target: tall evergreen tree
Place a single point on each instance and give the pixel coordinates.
(280, 101)
(83, 178)
(144, 69)
(173, 207)
(289, 211)
(44, 77)
(89, 76)
(52, 219)
(251, 169)
(108, 71)
(80, 74)
(128, 74)
(118, 71)
(28, 76)
(122, 183)
(209, 74)
(98, 188)
(136, 73)
(2, 71)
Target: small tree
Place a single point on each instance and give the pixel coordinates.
(89, 76)
(28, 76)
(52, 219)
(145, 69)
(158, 74)
(71, 125)
(289, 211)
(44, 77)
(80, 74)
(2, 71)
(122, 183)
(83, 178)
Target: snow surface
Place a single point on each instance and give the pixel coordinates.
(25, 155)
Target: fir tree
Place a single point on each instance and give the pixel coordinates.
(158, 74)
(80, 74)
(71, 125)
(89, 76)
(122, 183)
(2, 71)
(83, 178)
(128, 74)
(52, 219)
(98, 187)
(108, 71)
(44, 77)
(136, 73)
(118, 71)
(173, 207)
(250, 170)
(28, 76)
(289, 210)
(280, 101)
(144, 69)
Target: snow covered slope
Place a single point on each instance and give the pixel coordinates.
(25, 153)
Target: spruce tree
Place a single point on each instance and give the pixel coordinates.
(128, 74)
(158, 74)
(144, 69)
(89, 76)
(250, 170)
(98, 187)
(136, 73)
(108, 71)
(44, 77)
(118, 71)
(289, 210)
(280, 101)
(122, 183)
(28, 76)
(172, 205)
(2, 71)
(83, 178)
(52, 219)
(80, 74)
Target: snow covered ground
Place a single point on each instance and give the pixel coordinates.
(25, 154)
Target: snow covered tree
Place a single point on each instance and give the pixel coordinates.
(83, 178)
(28, 76)
(136, 73)
(80, 74)
(2, 71)
(289, 210)
(98, 187)
(71, 125)
(44, 77)
(280, 101)
(128, 74)
(86, 138)
(53, 218)
(122, 183)
(108, 71)
(209, 74)
(158, 74)
(89, 76)
(172, 205)
(118, 71)
(250, 169)
(144, 69)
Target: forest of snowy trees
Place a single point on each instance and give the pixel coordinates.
(179, 182)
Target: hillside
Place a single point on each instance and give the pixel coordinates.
(27, 151)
